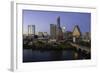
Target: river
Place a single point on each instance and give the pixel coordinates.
(30, 55)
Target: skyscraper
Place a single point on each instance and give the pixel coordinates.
(63, 29)
(76, 33)
(59, 35)
(58, 22)
(53, 31)
(31, 29)
(64, 32)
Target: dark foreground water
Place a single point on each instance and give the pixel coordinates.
(30, 55)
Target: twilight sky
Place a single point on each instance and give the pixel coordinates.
(43, 19)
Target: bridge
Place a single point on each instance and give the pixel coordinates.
(82, 48)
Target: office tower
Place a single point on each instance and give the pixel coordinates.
(53, 31)
(58, 22)
(63, 29)
(64, 32)
(59, 35)
(76, 33)
(31, 29)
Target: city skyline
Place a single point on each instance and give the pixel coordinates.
(43, 19)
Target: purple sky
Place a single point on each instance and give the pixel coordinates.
(43, 19)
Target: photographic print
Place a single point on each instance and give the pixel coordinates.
(55, 35)
(52, 36)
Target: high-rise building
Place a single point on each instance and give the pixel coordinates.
(63, 29)
(53, 31)
(64, 32)
(59, 34)
(76, 33)
(58, 22)
(31, 29)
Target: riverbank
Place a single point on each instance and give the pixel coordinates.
(49, 46)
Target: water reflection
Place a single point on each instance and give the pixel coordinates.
(30, 55)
